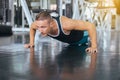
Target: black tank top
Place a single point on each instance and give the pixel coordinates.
(73, 37)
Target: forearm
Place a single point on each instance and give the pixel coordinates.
(32, 36)
(93, 36)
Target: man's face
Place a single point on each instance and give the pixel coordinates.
(43, 26)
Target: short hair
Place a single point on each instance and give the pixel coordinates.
(43, 15)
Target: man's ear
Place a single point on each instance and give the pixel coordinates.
(51, 22)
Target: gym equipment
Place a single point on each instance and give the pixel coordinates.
(5, 30)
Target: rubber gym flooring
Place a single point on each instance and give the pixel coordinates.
(53, 60)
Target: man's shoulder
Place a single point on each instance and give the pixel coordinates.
(66, 18)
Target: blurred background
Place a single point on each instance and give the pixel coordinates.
(19, 14)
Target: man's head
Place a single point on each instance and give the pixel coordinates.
(44, 15)
(42, 21)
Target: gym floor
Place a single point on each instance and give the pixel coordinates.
(53, 60)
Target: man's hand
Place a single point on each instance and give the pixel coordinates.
(28, 46)
(91, 50)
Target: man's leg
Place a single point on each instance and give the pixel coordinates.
(84, 41)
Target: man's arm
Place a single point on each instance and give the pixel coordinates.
(32, 36)
(93, 35)
(82, 25)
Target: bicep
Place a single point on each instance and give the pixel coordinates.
(81, 25)
(72, 24)
(33, 26)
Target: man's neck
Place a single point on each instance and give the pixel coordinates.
(53, 28)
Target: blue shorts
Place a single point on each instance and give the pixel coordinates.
(84, 40)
